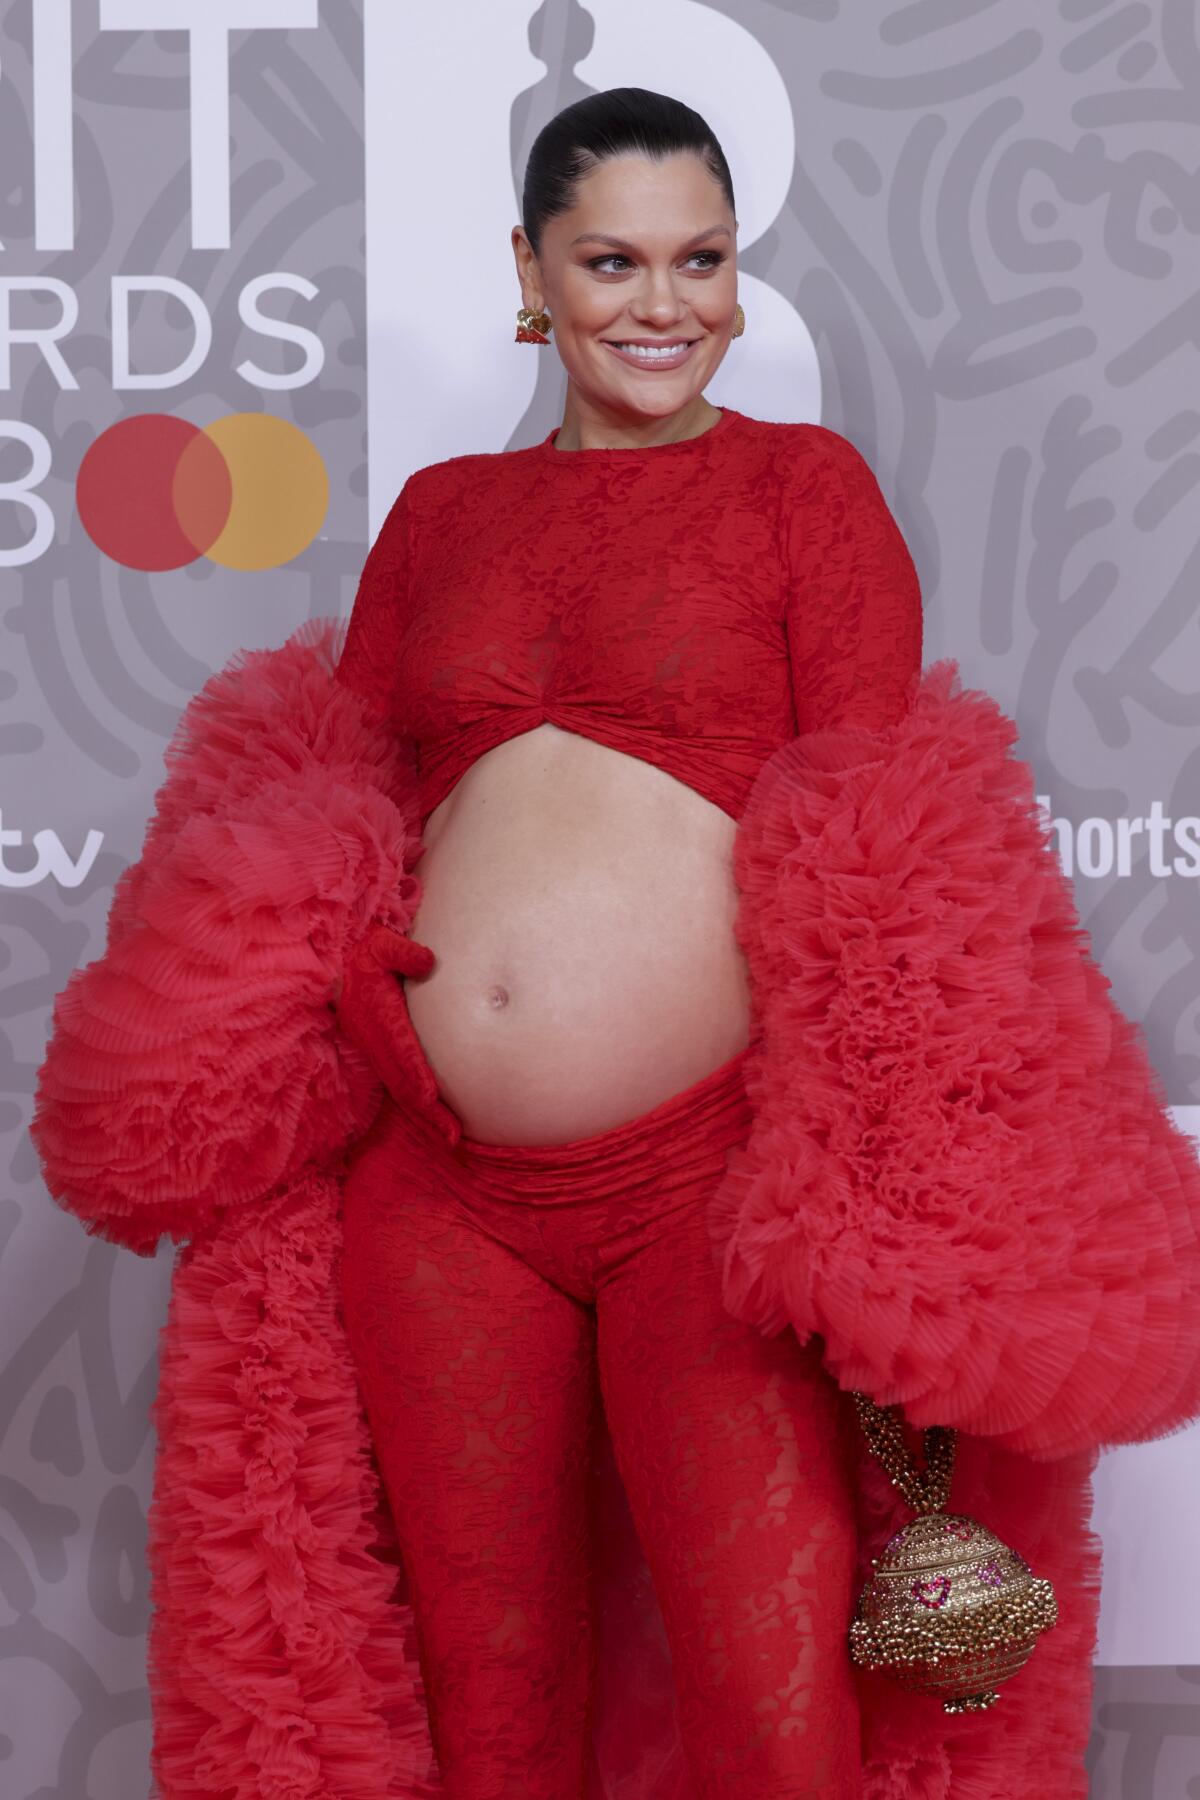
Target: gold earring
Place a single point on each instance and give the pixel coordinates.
(739, 321)
(532, 326)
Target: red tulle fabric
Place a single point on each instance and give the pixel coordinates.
(963, 1172)
(960, 1175)
(196, 1065)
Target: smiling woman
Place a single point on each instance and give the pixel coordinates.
(568, 867)
(748, 1050)
(659, 350)
(661, 303)
(593, 645)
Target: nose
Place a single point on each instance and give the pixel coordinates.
(658, 302)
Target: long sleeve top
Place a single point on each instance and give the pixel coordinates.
(694, 604)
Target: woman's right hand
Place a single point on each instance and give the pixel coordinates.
(382, 947)
(372, 1011)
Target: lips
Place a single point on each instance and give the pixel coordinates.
(665, 353)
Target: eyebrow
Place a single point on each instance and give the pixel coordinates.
(604, 237)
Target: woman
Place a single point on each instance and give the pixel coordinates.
(589, 645)
(741, 991)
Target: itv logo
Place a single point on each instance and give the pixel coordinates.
(52, 862)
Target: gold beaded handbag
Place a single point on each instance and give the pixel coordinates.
(950, 1610)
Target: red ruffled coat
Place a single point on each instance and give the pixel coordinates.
(961, 1173)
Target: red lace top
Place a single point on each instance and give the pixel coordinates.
(695, 604)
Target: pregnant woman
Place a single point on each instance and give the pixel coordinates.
(609, 987)
(594, 644)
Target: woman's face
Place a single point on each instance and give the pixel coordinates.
(646, 255)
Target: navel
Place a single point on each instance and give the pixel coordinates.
(497, 997)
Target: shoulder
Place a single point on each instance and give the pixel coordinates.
(808, 466)
(832, 503)
(453, 470)
(842, 463)
(456, 480)
(805, 449)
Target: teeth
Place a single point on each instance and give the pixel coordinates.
(652, 353)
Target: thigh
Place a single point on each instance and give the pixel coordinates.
(479, 1382)
(734, 1452)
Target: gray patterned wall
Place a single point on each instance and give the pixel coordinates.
(968, 240)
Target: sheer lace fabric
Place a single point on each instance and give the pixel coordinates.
(694, 604)
(495, 1298)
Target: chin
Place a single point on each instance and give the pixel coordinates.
(668, 404)
(655, 394)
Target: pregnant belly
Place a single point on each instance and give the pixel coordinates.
(580, 904)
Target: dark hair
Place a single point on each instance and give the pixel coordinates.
(575, 140)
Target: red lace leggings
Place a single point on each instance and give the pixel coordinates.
(492, 1295)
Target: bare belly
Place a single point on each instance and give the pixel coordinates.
(580, 903)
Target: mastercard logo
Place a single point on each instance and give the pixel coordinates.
(247, 492)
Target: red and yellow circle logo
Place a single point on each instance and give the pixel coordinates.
(248, 492)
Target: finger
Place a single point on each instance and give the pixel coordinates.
(392, 950)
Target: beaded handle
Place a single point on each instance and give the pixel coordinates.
(927, 1490)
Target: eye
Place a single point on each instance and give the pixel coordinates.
(614, 256)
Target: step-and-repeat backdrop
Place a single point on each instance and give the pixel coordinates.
(255, 268)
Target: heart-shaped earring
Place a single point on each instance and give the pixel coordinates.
(532, 327)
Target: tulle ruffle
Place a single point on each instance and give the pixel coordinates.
(282, 1662)
(962, 1171)
(197, 1064)
(961, 1174)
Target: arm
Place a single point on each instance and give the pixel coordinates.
(853, 599)
(370, 658)
(963, 1174)
(368, 1001)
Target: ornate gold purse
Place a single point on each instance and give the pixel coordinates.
(950, 1610)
